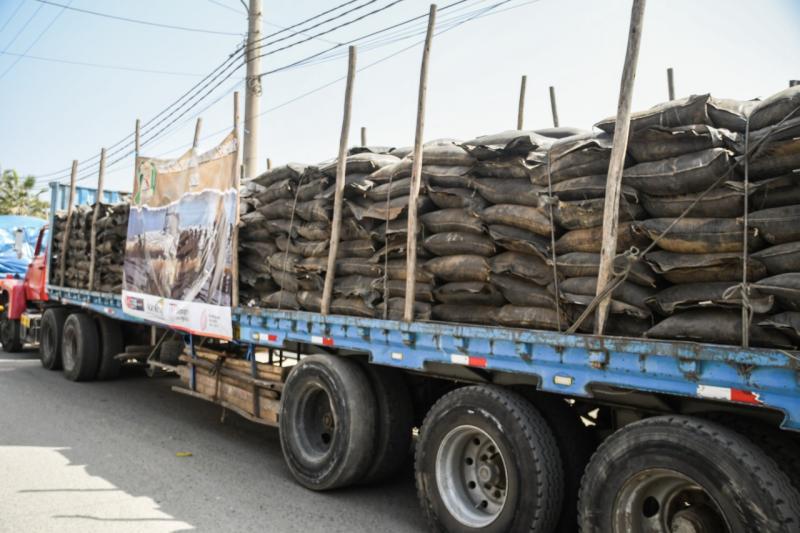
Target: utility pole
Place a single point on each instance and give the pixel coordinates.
(252, 94)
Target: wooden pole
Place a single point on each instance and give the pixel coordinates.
(99, 196)
(62, 264)
(615, 167)
(237, 177)
(553, 106)
(363, 136)
(269, 164)
(416, 173)
(197, 127)
(671, 83)
(792, 83)
(338, 198)
(136, 142)
(521, 110)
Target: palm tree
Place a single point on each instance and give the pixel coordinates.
(19, 197)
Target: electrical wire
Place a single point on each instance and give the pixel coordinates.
(105, 66)
(13, 14)
(137, 21)
(32, 44)
(19, 32)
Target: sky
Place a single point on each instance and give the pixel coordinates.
(52, 112)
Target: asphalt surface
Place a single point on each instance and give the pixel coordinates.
(108, 456)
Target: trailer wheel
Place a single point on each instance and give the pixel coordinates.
(53, 320)
(677, 473)
(394, 422)
(80, 347)
(111, 345)
(10, 334)
(327, 422)
(487, 461)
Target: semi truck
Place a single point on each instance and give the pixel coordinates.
(511, 429)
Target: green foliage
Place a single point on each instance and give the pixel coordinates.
(19, 197)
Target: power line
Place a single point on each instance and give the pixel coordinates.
(138, 21)
(21, 3)
(101, 65)
(33, 43)
(229, 8)
(19, 32)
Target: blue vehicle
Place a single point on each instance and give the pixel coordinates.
(516, 430)
(18, 235)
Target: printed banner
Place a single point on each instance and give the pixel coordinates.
(178, 252)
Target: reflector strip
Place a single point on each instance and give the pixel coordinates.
(272, 337)
(728, 394)
(324, 341)
(468, 360)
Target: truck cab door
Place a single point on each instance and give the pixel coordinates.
(36, 276)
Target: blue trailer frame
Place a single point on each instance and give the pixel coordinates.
(569, 365)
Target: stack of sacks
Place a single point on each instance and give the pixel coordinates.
(54, 254)
(112, 228)
(77, 250)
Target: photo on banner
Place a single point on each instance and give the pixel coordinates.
(178, 267)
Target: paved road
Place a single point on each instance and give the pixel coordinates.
(102, 457)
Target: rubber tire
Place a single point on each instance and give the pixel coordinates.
(520, 432)
(353, 405)
(171, 351)
(576, 444)
(111, 345)
(394, 423)
(10, 334)
(80, 340)
(52, 332)
(751, 490)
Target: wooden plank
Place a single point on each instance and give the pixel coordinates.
(615, 167)
(264, 382)
(363, 136)
(230, 391)
(62, 263)
(670, 84)
(237, 176)
(553, 106)
(521, 108)
(338, 198)
(98, 202)
(243, 414)
(416, 173)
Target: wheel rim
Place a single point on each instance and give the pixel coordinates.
(317, 422)
(471, 475)
(69, 349)
(659, 500)
(48, 341)
(6, 332)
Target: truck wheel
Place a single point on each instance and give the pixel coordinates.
(487, 461)
(678, 473)
(327, 422)
(10, 334)
(394, 422)
(80, 347)
(52, 332)
(111, 345)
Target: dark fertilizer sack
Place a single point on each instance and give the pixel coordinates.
(520, 240)
(452, 220)
(459, 268)
(469, 293)
(524, 217)
(508, 191)
(730, 114)
(456, 198)
(718, 326)
(353, 307)
(775, 159)
(775, 108)
(314, 211)
(302, 247)
(584, 214)
(658, 142)
(475, 314)
(358, 266)
(692, 268)
(781, 258)
(720, 202)
(363, 163)
(591, 240)
(393, 189)
(395, 288)
(773, 192)
(281, 300)
(396, 269)
(277, 209)
(785, 288)
(506, 143)
(357, 286)
(629, 293)
(706, 294)
(777, 225)
(284, 189)
(787, 323)
(522, 292)
(291, 171)
(422, 310)
(459, 243)
(445, 152)
(684, 174)
(681, 112)
(699, 235)
(310, 301)
(587, 187)
(448, 177)
(527, 317)
(283, 261)
(530, 267)
(617, 325)
(574, 157)
(506, 168)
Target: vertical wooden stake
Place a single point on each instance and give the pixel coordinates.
(237, 177)
(269, 164)
(136, 140)
(363, 136)
(521, 110)
(98, 201)
(198, 125)
(62, 264)
(615, 167)
(338, 198)
(416, 173)
(671, 83)
(553, 107)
